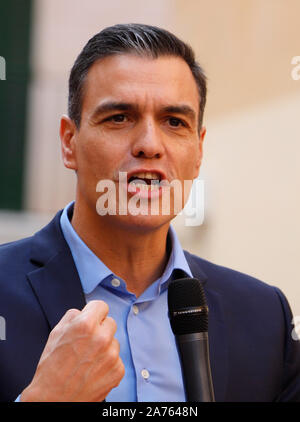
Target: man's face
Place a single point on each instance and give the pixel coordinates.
(139, 116)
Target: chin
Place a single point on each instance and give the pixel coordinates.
(142, 223)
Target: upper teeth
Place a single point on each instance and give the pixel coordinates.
(146, 175)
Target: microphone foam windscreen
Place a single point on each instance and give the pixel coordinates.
(188, 311)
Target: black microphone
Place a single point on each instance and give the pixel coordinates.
(188, 313)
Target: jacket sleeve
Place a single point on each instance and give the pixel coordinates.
(291, 371)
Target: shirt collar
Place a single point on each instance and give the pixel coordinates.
(93, 271)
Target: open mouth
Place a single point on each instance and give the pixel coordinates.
(145, 181)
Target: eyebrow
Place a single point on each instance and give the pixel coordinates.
(112, 106)
(183, 109)
(109, 106)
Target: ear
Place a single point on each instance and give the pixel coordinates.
(200, 151)
(68, 132)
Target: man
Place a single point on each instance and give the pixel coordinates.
(85, 299)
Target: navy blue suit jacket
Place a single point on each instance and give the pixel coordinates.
(252, 353)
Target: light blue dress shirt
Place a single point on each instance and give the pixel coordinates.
(147, 344)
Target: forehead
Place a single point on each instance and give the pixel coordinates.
(143, 81)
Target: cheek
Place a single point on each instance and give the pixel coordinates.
(189, 164)
(98, 160)
(89, 153)
(87, 159)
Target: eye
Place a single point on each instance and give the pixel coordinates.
(117, 118)
(175, 122)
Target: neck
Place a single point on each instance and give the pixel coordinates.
(136, 255)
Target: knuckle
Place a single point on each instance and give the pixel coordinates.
(104, 339)
(120, 370)
(65, 320)
(83, 326)
(113, 354)
(104, 306)
(72, 312)
(112, 324)
(100, 304)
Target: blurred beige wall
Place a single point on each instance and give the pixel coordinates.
(252, 153)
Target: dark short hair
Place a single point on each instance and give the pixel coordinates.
(140, 39)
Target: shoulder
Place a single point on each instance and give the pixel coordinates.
(20, 257)
(15, 254)
(246, 300)
(217, 273)
(235, 286)
(15, 264)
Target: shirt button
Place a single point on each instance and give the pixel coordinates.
(145, 374)
(135, 309)
(115, 282)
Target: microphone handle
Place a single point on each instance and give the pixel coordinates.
(194, 356)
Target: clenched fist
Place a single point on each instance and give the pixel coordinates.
(81, 359)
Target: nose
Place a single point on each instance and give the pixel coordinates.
(148, 141)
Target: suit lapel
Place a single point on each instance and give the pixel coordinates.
(55, 280)
(218, 343)
(57, 287)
